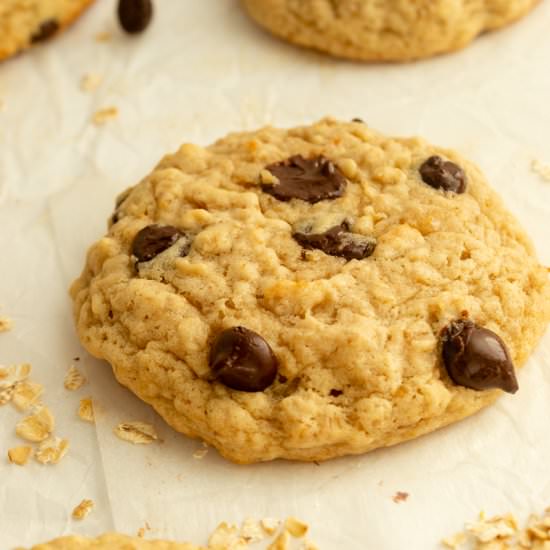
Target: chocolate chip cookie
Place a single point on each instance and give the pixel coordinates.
(27, 22)
(112, 542)
(392, 30)
(312, 292)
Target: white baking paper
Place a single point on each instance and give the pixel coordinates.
(202, 70)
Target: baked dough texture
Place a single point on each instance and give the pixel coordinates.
(112, 542)
(384, 30)
(24, 22)
(357, 340)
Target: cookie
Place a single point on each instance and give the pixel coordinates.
(112, 542)
(313, 292)
(393, 30)
(27, 22)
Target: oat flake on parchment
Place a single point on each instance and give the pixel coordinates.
(226, 537)
(104, 115)
(52, 450)
(36, 427)
(83, 509)
(251, 531)
(5, 324)
(543, 170)
(281, 542)
(20, 455)
(26, 394)
(74, 379)
(295, 527)
(137, 432)
(90, 82)
(270, 525)
(86, 410)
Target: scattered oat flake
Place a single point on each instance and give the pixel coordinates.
(309, 545)
(251, 531)
(6, 392)
(486, 530)
(36, 427)
(74, 379)
(281, 542)
(454, 541)
(136, 432)
(226, 537)
(86, 410)
(200, 453)
(296, 527)
(5, 324)
(400, 496)
(90, 82)
(104, 115)
(103, 36)
(270, 525)
(52, 450)
(20, 455)
(83, 509)
(26, 394)
(543, 170)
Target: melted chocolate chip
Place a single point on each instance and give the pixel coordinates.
(443, 174)
(338, 241)
(154, 239)
(46, 30)
(310, 180)
(477, 358)
(336, 393)
(242, 360)
(135, 15)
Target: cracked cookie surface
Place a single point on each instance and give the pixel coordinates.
(384, 30)
(27, 22)
(328, 312)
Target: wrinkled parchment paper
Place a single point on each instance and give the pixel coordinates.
(201, 70)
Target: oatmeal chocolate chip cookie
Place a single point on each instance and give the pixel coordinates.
(27, 22)
(390, 30)
(113, 542)
(312, 292)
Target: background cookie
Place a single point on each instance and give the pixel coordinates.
(341, 278)
(393, 30)
(112, 542)
(27, 22)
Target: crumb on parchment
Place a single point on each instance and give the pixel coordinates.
(83, 509)
(139, 433)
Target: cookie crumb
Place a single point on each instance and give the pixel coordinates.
(90, 82)
(270, 525)
(83, 509)
(26, 394)
(74, 379)
(36, 427)
(52, 450)
(400, 496)
(86, 410)
(251, 531)
(5, 323)
(104, 115)
(281, 542)
(296, 527)
(20, 455)
(226, 536)
(543, 170)
(199, 454)
(138, 433)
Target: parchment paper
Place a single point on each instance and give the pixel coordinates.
(202, 70)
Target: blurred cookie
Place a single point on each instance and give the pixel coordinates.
(312, 292)
(392, 30)
(27, 22)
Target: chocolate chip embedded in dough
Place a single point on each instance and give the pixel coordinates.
(154, 239)
(477, 358)
(443, 174)
(310, 180)
(135, 15)
(338, 241)
(242, 360)
(45, 31)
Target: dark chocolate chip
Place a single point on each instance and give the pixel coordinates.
(477, 358)
(357, 119)
(338, 241)
(135, 15)
(443, 174)
(154, 239)
(242, 360)
(310, 180)
(336, 393)
(46, 30)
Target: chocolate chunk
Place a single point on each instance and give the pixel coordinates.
(336, 393)
(338, 241)
(477, 358)
(46, 30)
(443, 174)
(135, 15)
(357, 119)
(154, 239)
(310, 180)
(243, 360)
